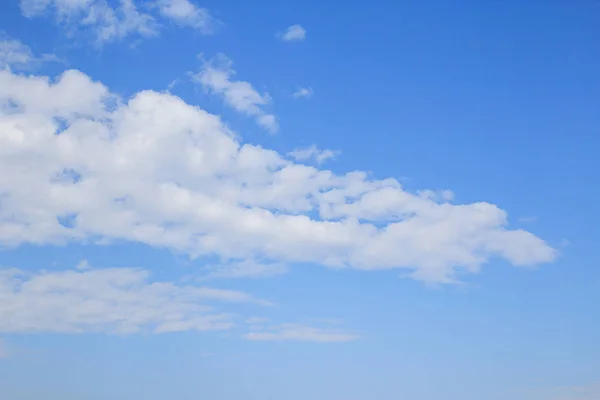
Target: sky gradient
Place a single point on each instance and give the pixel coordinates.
(265, 200)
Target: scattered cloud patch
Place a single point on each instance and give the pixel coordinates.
(109, 22)
(115, 301)
(303, 93)
(293, 33)
(105, 22)
(217, 76)
(300, 333)
(313, 153)
(152, 169)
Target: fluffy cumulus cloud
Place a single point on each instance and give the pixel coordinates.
(119, 300)
(111, 21)
(312, 153)
(298, 333)
(292, 33)
(217, 76)
(83, 165)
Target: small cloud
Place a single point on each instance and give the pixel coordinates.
(313, 153)
(217, 76)
(172, 84)
(83, 265)
(16, 55)
(269, 122)
(303, 93)
(300, 333)
(436, 195)
(293, 33)
(185, 13)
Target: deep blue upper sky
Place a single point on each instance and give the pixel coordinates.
(317, 284)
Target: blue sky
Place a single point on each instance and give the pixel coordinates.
(292, 200)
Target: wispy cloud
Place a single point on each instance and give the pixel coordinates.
(300, 333)
(245, 269)
(110, 22)
(13, 53)
(18, 56)
(292, 33)
(83, 265)
(216, 76)
(107, 23)
(303, 93)
(313, 153)
(117, 300)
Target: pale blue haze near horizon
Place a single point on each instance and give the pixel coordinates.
(496, 101)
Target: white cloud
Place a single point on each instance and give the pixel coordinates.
(118, 300)
(292, 33)
(83, 265)
(152, 169)
(185, 13)
(313, 153)
(13, 53)
(299, 333)
(16, 55)
(245, 269)
(216, 76)
(107, 23)
(110, 23)
(303, 93)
